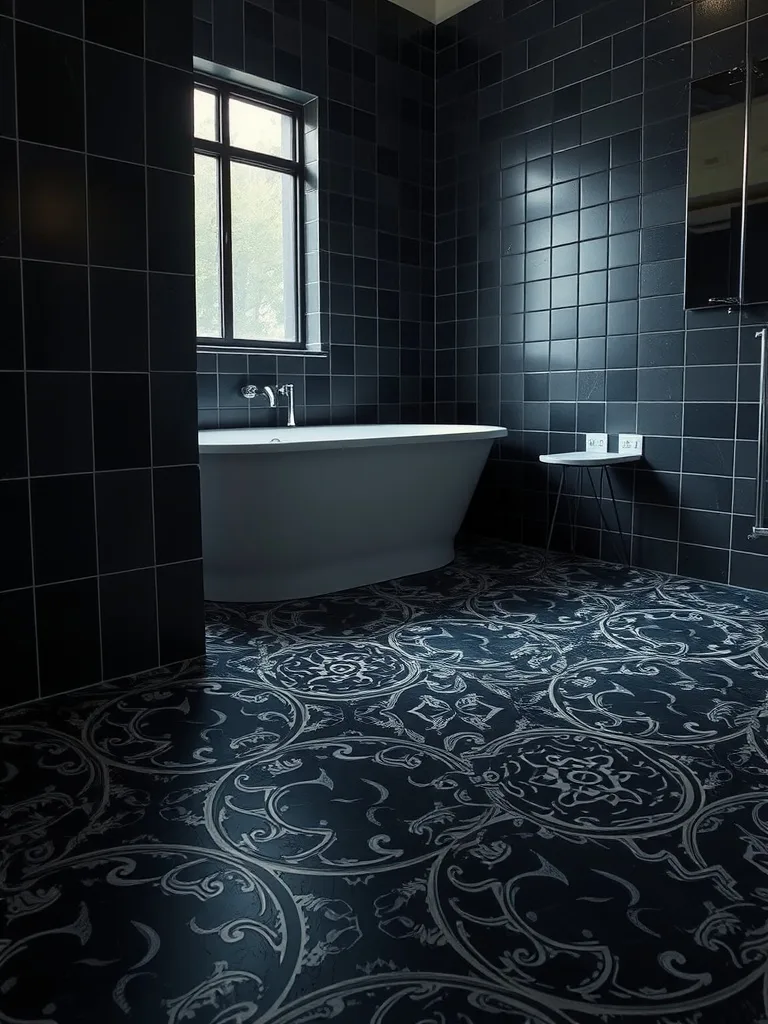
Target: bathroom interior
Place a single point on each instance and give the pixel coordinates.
(384, 578)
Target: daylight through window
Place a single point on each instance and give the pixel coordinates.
(248, 178)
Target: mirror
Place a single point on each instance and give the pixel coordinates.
(715, 189)
(756, 233)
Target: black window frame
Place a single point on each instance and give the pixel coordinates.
(296, 167)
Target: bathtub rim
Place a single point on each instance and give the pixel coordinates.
(291, 438)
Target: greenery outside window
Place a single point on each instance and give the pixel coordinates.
(248, 219)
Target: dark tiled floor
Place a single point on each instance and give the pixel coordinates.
(498, 792)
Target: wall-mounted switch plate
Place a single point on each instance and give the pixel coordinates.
(630, 444)
(597, 443)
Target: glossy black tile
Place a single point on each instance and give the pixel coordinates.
(59, 423)
(56, 316)
(121, 420)
(7, 79)
(124, 517)
(174, 421)
(12, 349)
(172, 322)
(16, 548)
(63, 528)
(180, 611)
(118, 24)
(52, 179)
(175, 487)
(119, 333)
(169, 118)
(19, 640)
(54, 116)
(116, 214)
(169, 32)
(109, 74)
(9, 200)
(60, 15)
(64, 611)
(129, 636)
(170, 221)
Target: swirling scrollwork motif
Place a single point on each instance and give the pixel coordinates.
(131, 926)
(191, 725)
(336, 669)
(678, 632)
(332, 806)
(657, 700)
(588, 784)
(354, 614)
(467, 644)
(52, 787)
(405, 997)
(588, 927)
(549, 608)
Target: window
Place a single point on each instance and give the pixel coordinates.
(248, 218)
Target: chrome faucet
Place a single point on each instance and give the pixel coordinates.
(286, 390)
(271, 393)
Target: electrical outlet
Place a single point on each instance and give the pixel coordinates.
(630, 444)
(597, 443)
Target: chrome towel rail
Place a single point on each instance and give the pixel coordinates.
(761, 526)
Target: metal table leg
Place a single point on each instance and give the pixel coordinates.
(554, 514)
(603, 520)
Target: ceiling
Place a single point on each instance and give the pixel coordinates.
(435, 10)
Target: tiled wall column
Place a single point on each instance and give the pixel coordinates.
(99, 493)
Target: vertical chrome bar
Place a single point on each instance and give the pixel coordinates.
(745, 177)
(760, 524)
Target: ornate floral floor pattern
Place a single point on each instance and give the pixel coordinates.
(501, 792)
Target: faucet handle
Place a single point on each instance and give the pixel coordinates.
(249, 391)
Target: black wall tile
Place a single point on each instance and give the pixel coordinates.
(109, 74)
(129, 634)
(116, 23)
(15, 548)
(61, 15)
(59, 423)
(121, 420)
(119, 333)
(54, 116)
(65, 611)
(174, 418)
(9, 200)
(175, 488)
(169, 118)
(56, 316)
(19, 640)
(116, 214)
(63, 528)
(13, 452)
(171, 220)
(180, 611)
(124, 518)
(52, 180)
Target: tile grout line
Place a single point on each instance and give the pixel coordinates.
(149, 336)
(33, 577)
(90, 351)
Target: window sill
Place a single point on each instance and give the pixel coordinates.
(281, 352)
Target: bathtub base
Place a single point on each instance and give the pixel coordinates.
(315, 580)
(328, 509)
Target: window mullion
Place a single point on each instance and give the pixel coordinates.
(226, 224)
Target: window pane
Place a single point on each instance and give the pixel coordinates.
(207, 246)
(263, 253)
(260, 129)
(206, 115)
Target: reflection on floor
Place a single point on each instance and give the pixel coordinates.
(498, 792)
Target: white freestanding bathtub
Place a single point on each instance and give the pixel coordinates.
(294, 512)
